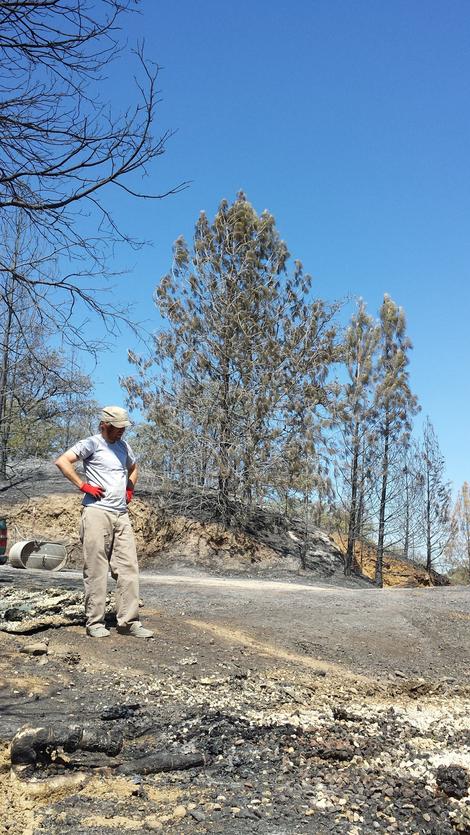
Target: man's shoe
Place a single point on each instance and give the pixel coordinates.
(136, 630)
(97, 631)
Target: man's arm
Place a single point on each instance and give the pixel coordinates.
(132, 475)
(131, 482)
(65, 463)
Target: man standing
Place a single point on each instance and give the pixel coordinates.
(105, 531)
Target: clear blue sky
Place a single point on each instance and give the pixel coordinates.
(350, 122)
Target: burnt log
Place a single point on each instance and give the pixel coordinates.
(160, 761)
(32, 745)
(113, 712)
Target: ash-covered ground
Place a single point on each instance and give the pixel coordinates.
(277, 708)
(276, 697)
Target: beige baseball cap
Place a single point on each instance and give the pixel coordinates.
(115, 416)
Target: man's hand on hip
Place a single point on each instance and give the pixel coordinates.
(94, 492)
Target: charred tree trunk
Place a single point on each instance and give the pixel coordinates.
(428, 524)
(406, 543)
(383, 503)
(353, 510)
(5, 374)
(224, 447)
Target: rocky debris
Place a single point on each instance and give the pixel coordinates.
(15, 613)
(334, 750)
(460, 818)
(32, 609)
(263, 751)
(339, 712)
(36, 648)
(70, 658)
(29, 610)
(415, 688)
(453, 780)
(265, 724)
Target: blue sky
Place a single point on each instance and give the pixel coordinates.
(350, 122)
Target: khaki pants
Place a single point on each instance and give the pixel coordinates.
(108, 541)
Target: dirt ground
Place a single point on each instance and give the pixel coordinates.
(312, 709)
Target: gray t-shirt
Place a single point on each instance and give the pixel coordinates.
(106, 465)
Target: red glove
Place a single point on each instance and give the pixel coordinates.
(129, 494)
(94, 492)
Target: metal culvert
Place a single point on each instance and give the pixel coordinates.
(32, 553)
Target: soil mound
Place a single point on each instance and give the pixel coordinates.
(397, 571)
(181, 527)
(163, 539)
